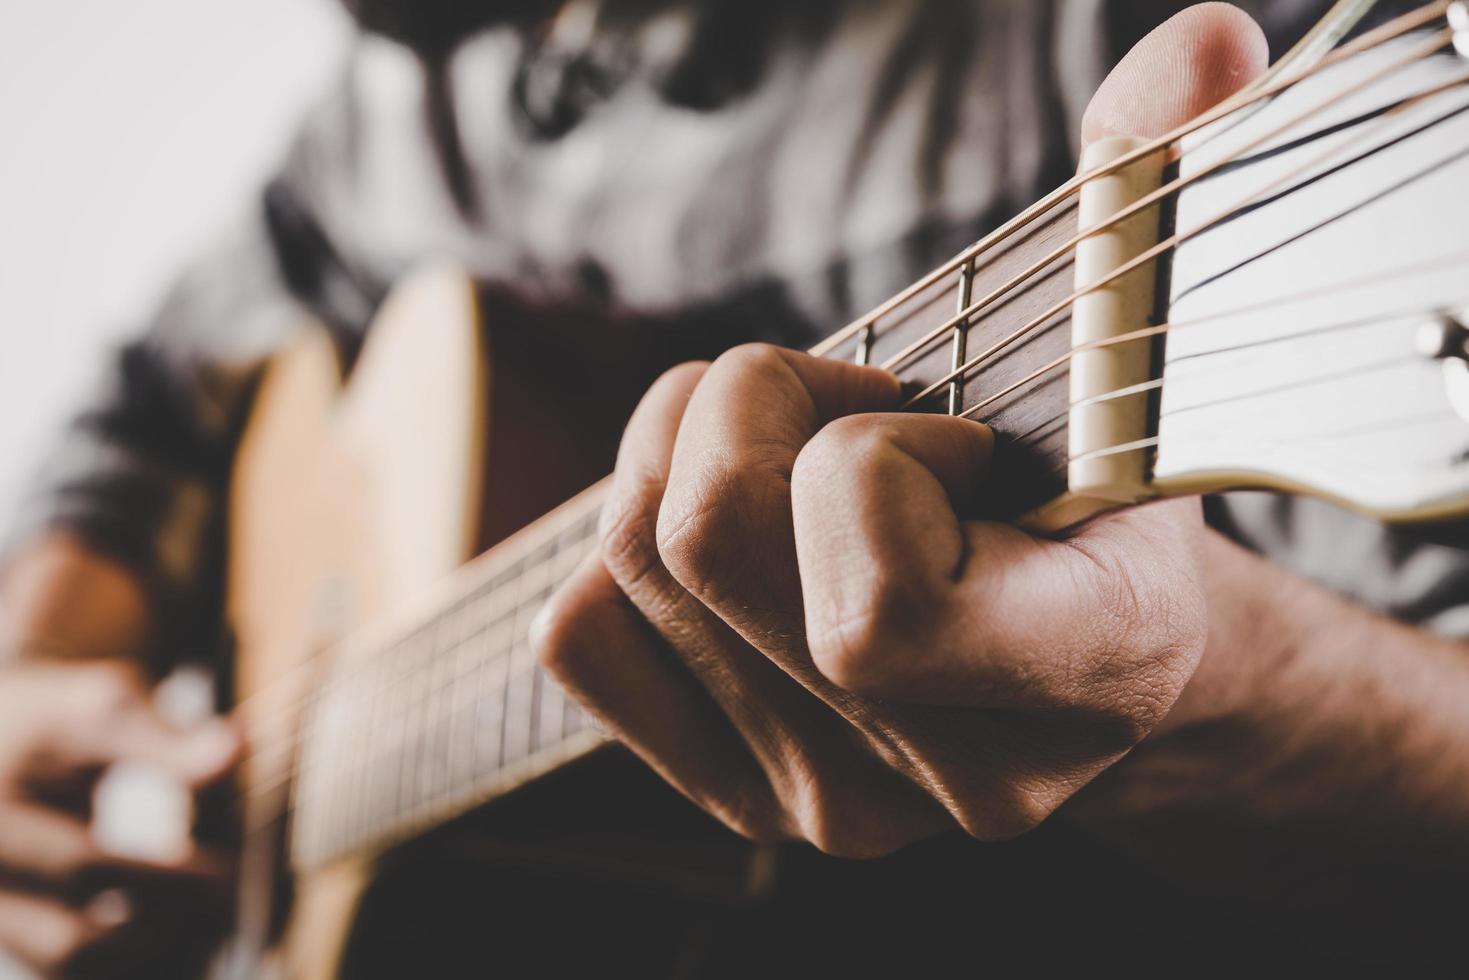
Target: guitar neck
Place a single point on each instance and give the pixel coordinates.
(445, 708)
(1052, 331)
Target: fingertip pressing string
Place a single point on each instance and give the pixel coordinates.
(287, 701)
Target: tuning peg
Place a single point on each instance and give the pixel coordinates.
(1442, 338)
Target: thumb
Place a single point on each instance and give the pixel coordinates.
(1183, 68)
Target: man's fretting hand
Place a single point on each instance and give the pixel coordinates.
(795, 618)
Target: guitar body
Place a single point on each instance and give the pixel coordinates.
(349, 502)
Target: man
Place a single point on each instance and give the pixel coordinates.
(597, 164)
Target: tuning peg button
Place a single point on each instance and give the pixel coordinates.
(1459, 22)
(1443, 338)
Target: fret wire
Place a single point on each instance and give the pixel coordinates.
(1384, 320)
(961, 335)
(438, 732)
(863, 355)
(406, 668)
(520, 672)
(423, 781)
(352, 763)
(1067, 250)
(1384, 33)
(506, 627)
(1240, 100)
(489, 718)
(434, 691)
(470, 657)
(977, 308)
(1179, 238)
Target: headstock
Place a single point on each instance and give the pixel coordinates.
(1311, 342)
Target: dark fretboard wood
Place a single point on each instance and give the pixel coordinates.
(418, 725)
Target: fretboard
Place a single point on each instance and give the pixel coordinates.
(420, 722)
(443, 709)
(417, 723)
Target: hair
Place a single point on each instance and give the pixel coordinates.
(432, 27)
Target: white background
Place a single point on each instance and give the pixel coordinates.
(129, 131)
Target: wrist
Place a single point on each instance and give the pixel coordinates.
(1255, 614)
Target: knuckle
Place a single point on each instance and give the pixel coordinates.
(629, 536)
(750, 358)
(855, 439)
(702, 529)
(1008, 814)
(838, 822)
(870, 649)
(629, 519)
(754, 821)
(679, 378)
(840, 449)
(689, 529)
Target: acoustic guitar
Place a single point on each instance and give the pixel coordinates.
(1273, 296)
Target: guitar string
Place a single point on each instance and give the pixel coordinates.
(518, 609)
(974, 409)
(1372, 39)
(1156, 382)
(300, 702)
(1158, 330)
(1309, 166)
(518, 639)
(1452, 260)
(979, 307)
(500, 655)
(1242, 100)
(1149, 255)
(1147, 332)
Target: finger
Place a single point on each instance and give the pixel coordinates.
(107, 936)
(47, 935)
(46, 846)
(93, 715)
(594, 642)
(905, 600)
(880, 544)
(814, 762)
(56, 851)
(1183, 68)
(724, 528)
